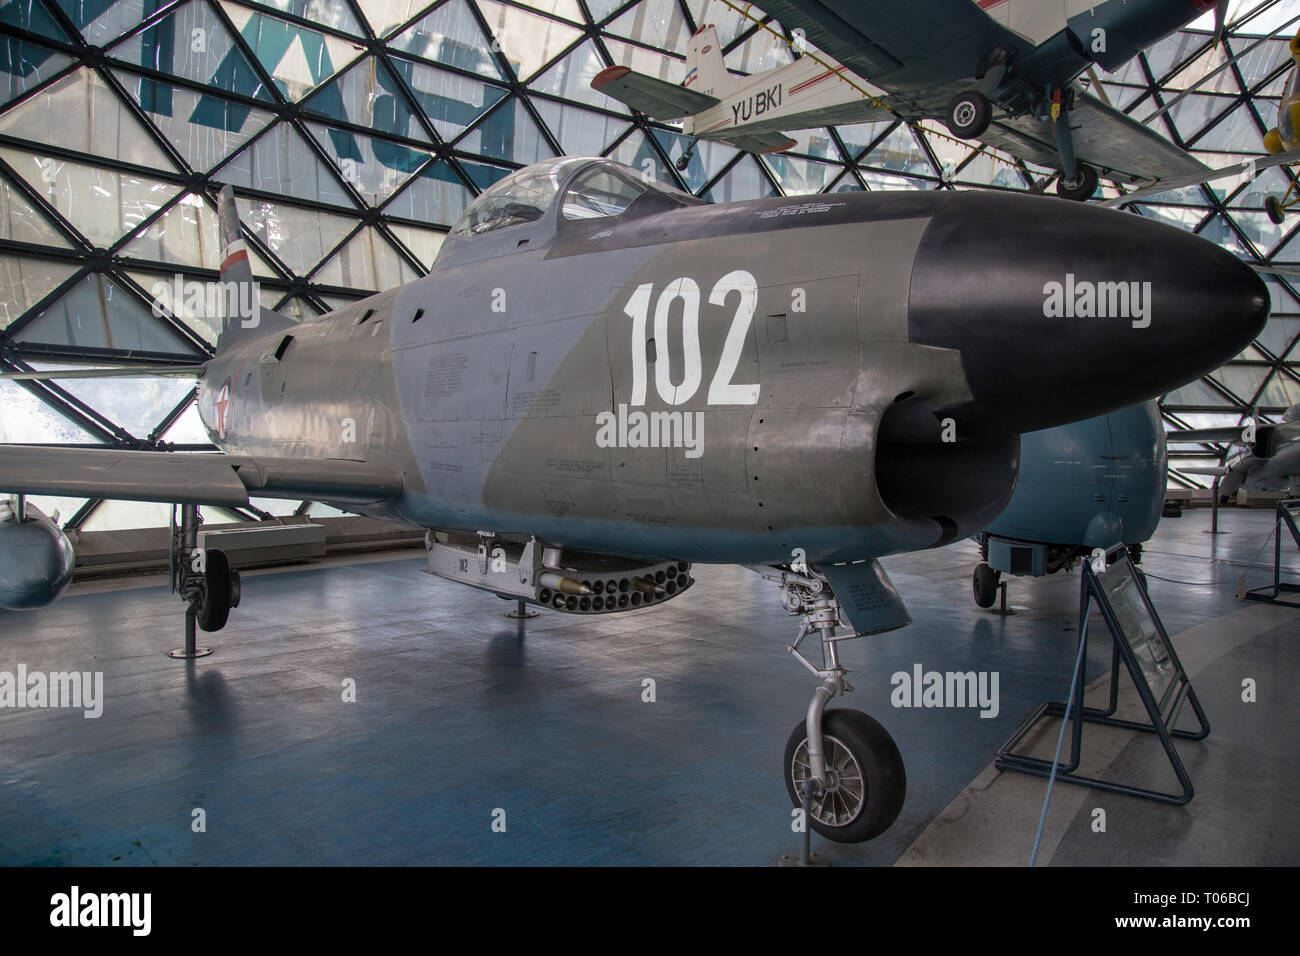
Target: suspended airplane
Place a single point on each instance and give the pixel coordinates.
(1086, 485)
(1268, 458)
(1285, 136)
(1005, 72)
(603, 381)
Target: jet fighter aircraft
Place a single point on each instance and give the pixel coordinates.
(1005, 72)
(603, 380)
(1268, 460)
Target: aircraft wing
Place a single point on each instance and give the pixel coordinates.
(761, 142)
(1229, 434)
(1117, 145)
(652, 96)
(1252, 166)
(180, 478)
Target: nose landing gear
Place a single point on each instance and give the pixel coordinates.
(845, 761)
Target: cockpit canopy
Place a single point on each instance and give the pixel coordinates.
(592, 188)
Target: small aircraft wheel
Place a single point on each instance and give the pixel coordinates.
(214, 605)
(868, 782)
(985, 584)
(969, 115)
(1081, 187)
(1274, 209)
(683, 161)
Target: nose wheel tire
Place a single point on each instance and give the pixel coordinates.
(1081, 187)
(1274, 208)
(867, 780)
(220, 592)
(969, 115)
(985, 584)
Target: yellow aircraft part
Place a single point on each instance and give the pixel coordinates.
(1273, 142)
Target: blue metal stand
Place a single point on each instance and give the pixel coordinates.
(1113, 591)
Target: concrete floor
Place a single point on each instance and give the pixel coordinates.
(460, 713)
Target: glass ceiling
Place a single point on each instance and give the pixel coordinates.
(355, 132)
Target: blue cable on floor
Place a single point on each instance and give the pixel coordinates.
(1056, 760)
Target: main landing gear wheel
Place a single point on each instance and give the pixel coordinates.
(969, 115)
(867, 780)
(1276, 211)
(1081, 187)
(985, 584)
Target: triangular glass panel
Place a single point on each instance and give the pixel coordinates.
(1281, 391)
(571, 78)
(334, 14)
(568, 9)
(436, 195)
(422, 243)
(858, 136)
(31, 16)
(193, 302)
(80, 112)
(887, 181)
(646, 61)
(1279, 335)
(657, 23)
(185, 235)
(299, 59)
(297, 308)
(452, 102)
(26, 281)
(527, 40)
(580, 132)
(202, 127)
(801, 177)
(366, 94)
(449, 34)
(368, 261)
(1197, 393)
(508, 133)
(188, 429)
(706, 162)
(744, 181)
(1242, 380)
(374, 167)
(900, 152)
(22, 222)
(763, 50)
(636, 151)
(280, 161)
(136, 404)
(299, 237)
(102, 21)
(384, 16)
(728, 20)
(601, 10)
(29, 421)
(191, 42)
(98, 313)
(24, 65)
(102, 204)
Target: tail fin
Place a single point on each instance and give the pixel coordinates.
(705, 70)
(245, 317)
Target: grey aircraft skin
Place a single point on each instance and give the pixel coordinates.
(835, 378)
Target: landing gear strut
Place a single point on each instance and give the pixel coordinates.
(845, 761)
(204, 579)
(684, 159)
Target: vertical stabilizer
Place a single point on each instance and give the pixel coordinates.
(243, 316)
(705, 70)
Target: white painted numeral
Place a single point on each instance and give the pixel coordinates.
(721, 390)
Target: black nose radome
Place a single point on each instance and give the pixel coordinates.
(1064, 311)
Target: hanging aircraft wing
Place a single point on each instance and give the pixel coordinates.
(180, 478)
(1118, 146)
(762, 142)
(1250, 167)
(1229, 434)
(652, 96)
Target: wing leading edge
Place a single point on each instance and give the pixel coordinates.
(179, 478)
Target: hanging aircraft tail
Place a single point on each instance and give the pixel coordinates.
(705, 70)
(244, 317)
